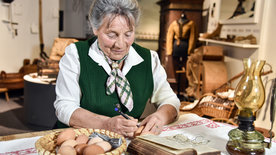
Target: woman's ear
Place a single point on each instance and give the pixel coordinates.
(95, 31)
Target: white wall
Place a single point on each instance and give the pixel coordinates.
(149, 24)
(267, 51)
(14, 49)
(75, 24)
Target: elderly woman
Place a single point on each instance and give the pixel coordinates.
(109, 70)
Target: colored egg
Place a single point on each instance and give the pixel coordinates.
(93, 150)
(69, 142)
(67, 150)
(105, 145)
(82, 139)
(80, 148)
(66, 134)
(94, 140)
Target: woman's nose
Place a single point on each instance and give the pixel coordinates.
(119, 43)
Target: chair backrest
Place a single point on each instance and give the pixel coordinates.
(59, 46)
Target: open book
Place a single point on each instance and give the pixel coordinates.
(173, 145)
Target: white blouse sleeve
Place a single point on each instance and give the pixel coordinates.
(162, 91)
(67, 85)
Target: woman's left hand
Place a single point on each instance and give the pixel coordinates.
(153, 124)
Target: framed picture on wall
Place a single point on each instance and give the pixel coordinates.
(241, 11)
(214, 15)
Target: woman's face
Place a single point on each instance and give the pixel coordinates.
(115, 37)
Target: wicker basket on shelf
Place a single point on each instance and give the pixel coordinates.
(48, 143)
(218, 106)
(217, 110)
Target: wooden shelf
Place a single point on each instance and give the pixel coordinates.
(238, 21)
(6, 4)
(229, 43)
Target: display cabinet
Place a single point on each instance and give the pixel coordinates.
(171, 10)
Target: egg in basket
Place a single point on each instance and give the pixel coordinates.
(81, 141)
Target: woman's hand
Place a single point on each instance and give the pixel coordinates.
(153, 124)
(121, 125)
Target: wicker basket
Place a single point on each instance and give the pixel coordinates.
(216, 110)
(46, 145)
(227, 109)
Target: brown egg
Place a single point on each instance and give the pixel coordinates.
(82, 139)
(105, 145)
(69, 142)
(138, 131)
(66, 135)
(94, 140)
(67, 150)
(93, 150)
(80, 148)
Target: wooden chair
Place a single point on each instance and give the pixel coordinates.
(11, 81)
(5, 90)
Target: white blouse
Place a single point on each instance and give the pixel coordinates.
(68, 90)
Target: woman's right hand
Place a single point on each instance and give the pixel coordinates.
(121, 125)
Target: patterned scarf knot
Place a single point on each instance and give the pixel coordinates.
(117, 80)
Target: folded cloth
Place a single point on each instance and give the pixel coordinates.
(188, 106)
(22, 146)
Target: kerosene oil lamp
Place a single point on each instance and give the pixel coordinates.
(249, 97)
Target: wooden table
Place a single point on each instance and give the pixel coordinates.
(188, 125)
(26, 135)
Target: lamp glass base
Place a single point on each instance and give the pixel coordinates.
(245, 142)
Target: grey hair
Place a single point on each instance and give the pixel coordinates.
(100, 9)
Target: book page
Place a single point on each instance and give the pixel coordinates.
(178, 143)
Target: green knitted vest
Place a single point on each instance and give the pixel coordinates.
(93, 79)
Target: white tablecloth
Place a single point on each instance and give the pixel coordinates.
(24, 146)
(193, 126)
(189, 125)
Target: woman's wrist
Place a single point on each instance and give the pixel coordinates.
(86, 119)
(167, 113)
